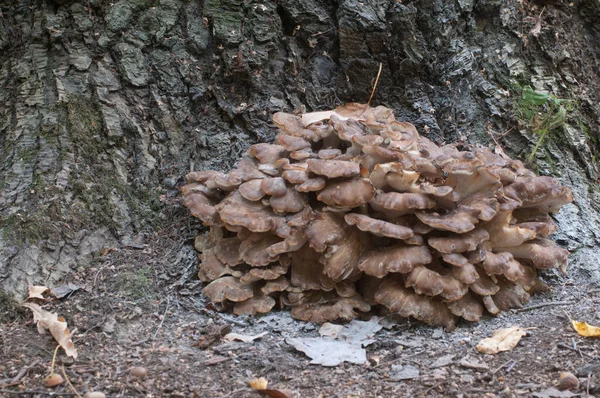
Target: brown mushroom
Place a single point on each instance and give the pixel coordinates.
(254, 305)
(378, 227)
(406, 303)
(459, 243)
(402, 259)
(334, 168)
(228, 288)
(349, 194)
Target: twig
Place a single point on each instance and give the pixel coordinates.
(502, 366)
(552, 303)
(69, 382)
(162, 320)
(15, 380)
(434, 386)
(39, 392)
(563, 345)
(374, 88)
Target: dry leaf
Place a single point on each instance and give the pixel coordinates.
(243, 337)
(57, 327)
(260, 384)
(330, 329)
(585, 329)
(501, 340)
(37, 292)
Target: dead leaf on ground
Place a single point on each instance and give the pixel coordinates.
(330, 329)
(243, 337)
(214, 334)
(347, 347)
(585, 329)
(552, 392)
(260, 384)
(37, 292)
(57, 327)
(501, 340)
(64, 290)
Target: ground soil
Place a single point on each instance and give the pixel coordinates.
(140, 306)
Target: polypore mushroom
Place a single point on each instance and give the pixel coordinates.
(351, 209)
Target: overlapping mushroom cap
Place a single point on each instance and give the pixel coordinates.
(352, 211)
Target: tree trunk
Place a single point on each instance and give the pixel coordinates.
(105, 106)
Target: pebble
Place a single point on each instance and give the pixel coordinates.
(138, 371)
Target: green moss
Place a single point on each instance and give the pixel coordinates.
(135, 285)
(84, 123)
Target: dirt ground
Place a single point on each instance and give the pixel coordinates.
(139, 306)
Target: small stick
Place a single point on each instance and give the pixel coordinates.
(162, 321)
(434, 386)
(502, 366)
(69, 382)
(374, 88)
(552, 303)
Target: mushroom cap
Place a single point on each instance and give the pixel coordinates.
(543, 253)
(502, 234)
(541, 192)
(320, 307)
(292, 143)
(254, 249)
(459, 243)
(252, 306)
(252, 190)
(291, 202)
(406, 303)
(460, 220)
(402, 259)
(397, 204)
(212, 268)
(268, 273)
(236, 210)
(350, 194)
(378, 227)
(467, 307)
(274, 186)
(324, 230)
(227, 250)
(277, 285)
(266, 153)
(228, 288)
(339, 260)
(466, 274)
(334, 168)
(312, 185)
(496, 263)
(296, 176)
(201, 207)
(484, 286)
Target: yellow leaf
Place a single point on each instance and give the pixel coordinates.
(501, 340)
(57, 327)
(585, 329)
(37, 292)
(258, 384)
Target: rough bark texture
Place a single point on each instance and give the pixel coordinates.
(105, 106)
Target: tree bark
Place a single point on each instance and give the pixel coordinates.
(104, 107)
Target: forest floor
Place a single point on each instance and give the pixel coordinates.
(139, 306)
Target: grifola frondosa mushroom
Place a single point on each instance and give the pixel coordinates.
(351, 210)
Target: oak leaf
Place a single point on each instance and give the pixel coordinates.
(501, 340)
(56, 325)
(585, 329)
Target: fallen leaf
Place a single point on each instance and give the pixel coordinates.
(348, 347)
(57, 327)
(585, 329)
(442, 361)
(260, 384)
(501, 340)
(64, 290)
(330, 329)
(214, 334)
(329, 352)
(552, 392)
(404, 372)
(37, 292)
(243, 337)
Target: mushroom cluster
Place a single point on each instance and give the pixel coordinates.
(349, 210)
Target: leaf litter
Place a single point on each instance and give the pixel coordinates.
(347, 346)
(56, 325)
(502, 340)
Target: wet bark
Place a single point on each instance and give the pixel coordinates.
(105, 106)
